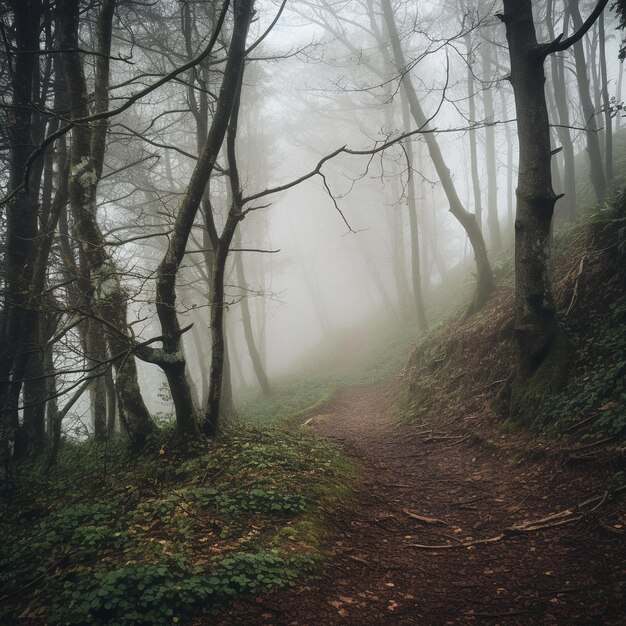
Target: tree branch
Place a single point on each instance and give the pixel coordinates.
(560, 44)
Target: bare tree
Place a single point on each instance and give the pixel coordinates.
(541, 359)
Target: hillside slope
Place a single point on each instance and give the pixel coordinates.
(468, 360)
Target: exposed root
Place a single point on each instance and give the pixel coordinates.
(567, 516)
(422, 518)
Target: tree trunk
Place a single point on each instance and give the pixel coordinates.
(416, 274)
(398, 256)
(17, 319)
(246, 321)
(379, 284)
(510, 202)
(541, 345)
(30, 438)
(96, 355)
(471, 98)
(485, 283)
(88, 145)
(111, 402)
(596, 169)
(606, 103)
(618, 94)
(173, 365)
(567, 205)
(212, 413)
(490, 152)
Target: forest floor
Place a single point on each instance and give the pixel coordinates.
(437, 488)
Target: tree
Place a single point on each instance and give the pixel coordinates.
(109, 298)
(598, 177)
(541, 345)
(484, 276)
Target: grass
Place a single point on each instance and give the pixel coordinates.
(105, 538)
(338, 364)
(364, 355)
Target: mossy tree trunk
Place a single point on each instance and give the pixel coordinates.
(541, 358)
(87, 156)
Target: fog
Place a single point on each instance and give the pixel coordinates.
(345, 213)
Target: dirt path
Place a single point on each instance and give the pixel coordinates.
(375, 577)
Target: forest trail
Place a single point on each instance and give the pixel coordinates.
(375, 577)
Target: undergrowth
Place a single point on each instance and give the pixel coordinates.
(106, 538)
(593, 313)
(469, 360)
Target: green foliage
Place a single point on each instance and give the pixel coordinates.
(158, 593)
(595, 327)
(242, 502)
(600, 387)
(107, 538)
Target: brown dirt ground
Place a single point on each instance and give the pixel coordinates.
(561, 575)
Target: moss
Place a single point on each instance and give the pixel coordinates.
(304, 535)
(549, 379)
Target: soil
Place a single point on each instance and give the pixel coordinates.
(571, 573)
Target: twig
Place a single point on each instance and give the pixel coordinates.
(593, 444)
(442, 438)
(575, 293)
(567, 516)
(495, 382)
(583, 422)
(421, 518)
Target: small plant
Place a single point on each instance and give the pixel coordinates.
(158, 538)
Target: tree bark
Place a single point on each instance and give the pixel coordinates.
(536, 326)
(606, 103)
(88, 145)
(213, 409)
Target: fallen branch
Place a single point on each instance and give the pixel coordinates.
(442, 438)
(581, 423)
(451, 546)
(495, 382)
(561, 518)
(422, 518)
(593, 444)
(575, 293)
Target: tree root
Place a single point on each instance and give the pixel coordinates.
(425, 520)
(567, 516)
